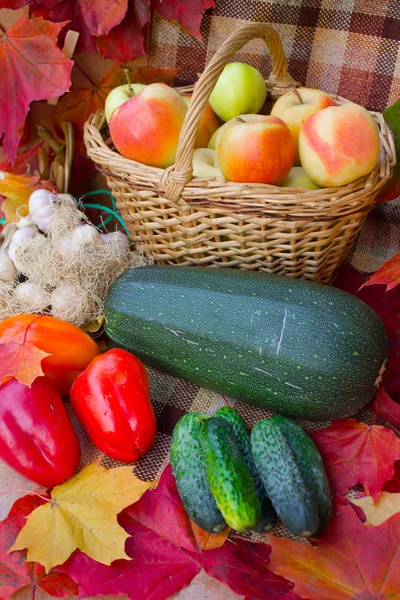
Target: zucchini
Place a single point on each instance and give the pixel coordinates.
(311, 466)
(187, 462)
(283, 479)
(268, 514)
(230, 481)
(290, 346)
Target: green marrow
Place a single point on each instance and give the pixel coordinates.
(291, 346)
(283, 479)
(268, 514)
(230, 481)
(187, 462)
(311, 466)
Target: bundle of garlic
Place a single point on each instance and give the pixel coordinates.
(55, 261)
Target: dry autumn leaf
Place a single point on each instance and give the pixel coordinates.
(22, 361)
(35, 68)
(388, 274)
(82, 514)
(350, 560)
(386, 506)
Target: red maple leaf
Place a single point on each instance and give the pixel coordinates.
(15, 572)
(102, 15)
(350, 560)
(128, 39)
(162, 511)
(387, 408)
(388, 274)
(354, 452)
(187, 13)
(35, 68)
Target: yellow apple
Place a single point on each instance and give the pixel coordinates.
(204, 164)
(240, 89)
(294, 107)
(339, 144)
(120, 94)
(298, 178)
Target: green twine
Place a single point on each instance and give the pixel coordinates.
(112, 211)
(3, 221)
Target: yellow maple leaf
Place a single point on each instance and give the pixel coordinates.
(82, 514)
(387, 505)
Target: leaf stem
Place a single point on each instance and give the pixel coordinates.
(27, 492)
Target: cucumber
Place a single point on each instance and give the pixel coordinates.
(283, 479)
(311, 466)
(230, 481)
(291, 346)
(187, 462)
(268, 514)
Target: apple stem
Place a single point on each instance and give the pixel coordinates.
(127, 71)
(240, 120)
(298, 95)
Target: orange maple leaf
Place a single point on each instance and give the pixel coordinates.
(22, 361)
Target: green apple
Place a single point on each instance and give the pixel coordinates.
(119, 95)
(240, 89)
(204, 164)
(298, 178)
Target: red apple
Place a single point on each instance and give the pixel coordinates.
(294, 107)
(146, 127)
(339, 144)
(255, 149)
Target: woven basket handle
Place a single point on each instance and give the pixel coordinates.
(176, 177)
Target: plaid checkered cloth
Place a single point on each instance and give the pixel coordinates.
(345, 47)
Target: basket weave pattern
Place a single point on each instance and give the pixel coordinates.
(181, 219)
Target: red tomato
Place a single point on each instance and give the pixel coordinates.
(111, 398)
(36, 436)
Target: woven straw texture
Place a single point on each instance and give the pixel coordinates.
(210, 221)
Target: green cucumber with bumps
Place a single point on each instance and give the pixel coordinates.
(230, 481)
(188, 468)
(309, 461)
(293, 347)
(283, 479)
(268, 514)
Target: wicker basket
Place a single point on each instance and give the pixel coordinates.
(188, 220)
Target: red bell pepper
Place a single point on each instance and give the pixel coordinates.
(111, 398)
(36, 436)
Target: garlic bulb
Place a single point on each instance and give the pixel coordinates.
(86, 234)
(25, 219)
(8, 271)
(6, 235)
(31, 296)
(19, 238)
(41, 208)
(67, 250)
(63, 300)
(116, 237)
